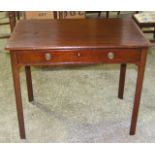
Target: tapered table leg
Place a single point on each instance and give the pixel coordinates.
(122, 80)
(19, 107)
(140, 76)
(29, 83)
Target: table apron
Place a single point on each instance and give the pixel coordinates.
(72, 57)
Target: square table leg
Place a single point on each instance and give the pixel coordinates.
(122, 80)
(140, 77)
(19, 107)
(29, 83)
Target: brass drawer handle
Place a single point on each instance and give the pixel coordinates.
(78, 54)
(48, 56)
(111, 55)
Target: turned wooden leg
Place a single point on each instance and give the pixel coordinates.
(16, 79)
(122, 80)
(29, 83)
(140, 76)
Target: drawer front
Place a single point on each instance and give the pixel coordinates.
(78, 56)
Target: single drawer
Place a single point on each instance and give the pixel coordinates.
(79, 56)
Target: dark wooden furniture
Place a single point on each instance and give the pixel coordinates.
(75, 42)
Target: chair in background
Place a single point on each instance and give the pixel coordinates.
(11, 20)
(107, 13)
(146, 21)
(98, 13)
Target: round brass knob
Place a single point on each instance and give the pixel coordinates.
(78, 54)
(48, 56)
(111, 55)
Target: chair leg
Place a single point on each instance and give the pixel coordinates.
(107, 14)
(99, 13)
(12, 19)
(12, 22)
(118, 13)
(18, 15)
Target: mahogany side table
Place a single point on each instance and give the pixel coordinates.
(77, 41)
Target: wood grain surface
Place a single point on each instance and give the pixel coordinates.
(76, 33)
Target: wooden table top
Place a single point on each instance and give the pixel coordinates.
(76, 34)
